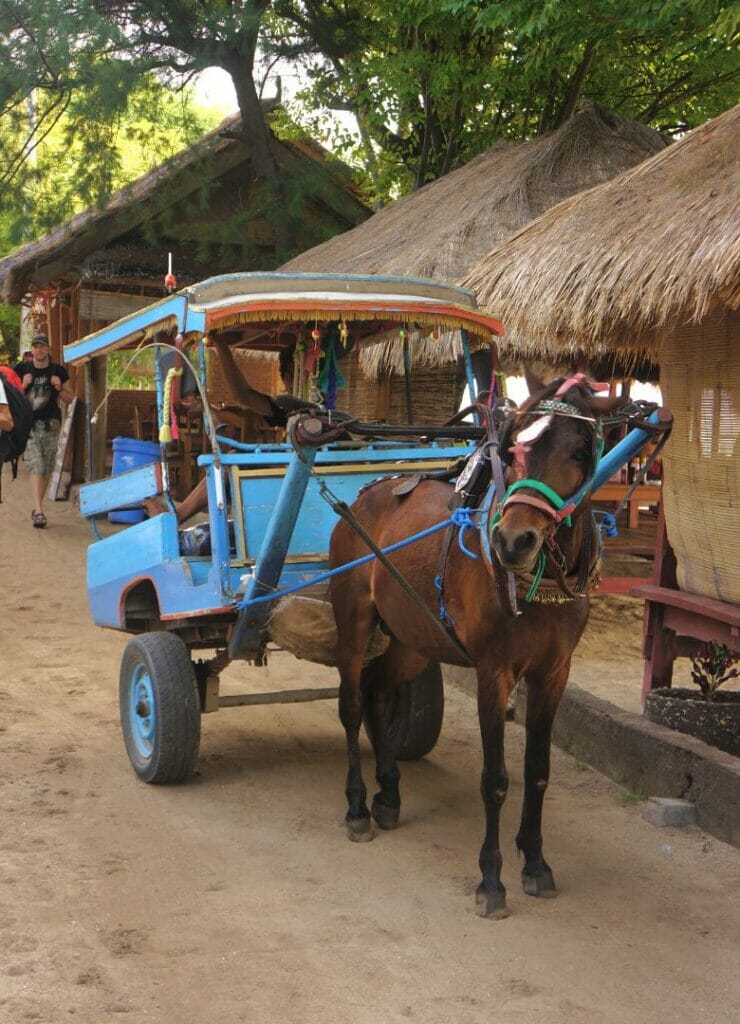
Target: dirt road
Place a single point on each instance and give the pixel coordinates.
(236, 898)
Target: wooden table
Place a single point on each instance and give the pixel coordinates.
(643, 494)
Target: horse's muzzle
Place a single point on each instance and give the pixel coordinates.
(517, 549)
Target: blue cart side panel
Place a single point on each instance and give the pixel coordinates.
(148, 551)
(255, 488)
(122, 490)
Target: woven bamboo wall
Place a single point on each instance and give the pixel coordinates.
(700, 380)
(262, 370)
(435, 393)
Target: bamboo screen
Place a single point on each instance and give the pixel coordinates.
(700, 381)
(436, 392)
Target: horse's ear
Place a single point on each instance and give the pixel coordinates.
(534, 383)
(603, 405)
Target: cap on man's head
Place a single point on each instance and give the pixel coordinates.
(39, 339)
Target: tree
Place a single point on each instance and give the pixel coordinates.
(434, 82)
(430, 82)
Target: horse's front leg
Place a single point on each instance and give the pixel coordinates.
(543, 696)
(494, 687)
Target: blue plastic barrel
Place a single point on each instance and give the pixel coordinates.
(128, 453)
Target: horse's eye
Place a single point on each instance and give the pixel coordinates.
(582, 455)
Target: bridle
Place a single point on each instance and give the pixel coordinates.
(542, 414)
(540, 418)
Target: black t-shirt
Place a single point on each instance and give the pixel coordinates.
(42, 396)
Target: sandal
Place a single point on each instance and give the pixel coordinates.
(38, 519)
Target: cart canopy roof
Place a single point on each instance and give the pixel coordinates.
(257, 307)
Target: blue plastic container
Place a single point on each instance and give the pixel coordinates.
(128, 453)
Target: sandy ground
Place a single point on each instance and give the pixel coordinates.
(236, 898)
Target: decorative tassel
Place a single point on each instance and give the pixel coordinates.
(168, 427)
(343, 333)
(330, 378)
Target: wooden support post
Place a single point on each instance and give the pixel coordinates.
(659, 643)
(79, 431)
(98, 382)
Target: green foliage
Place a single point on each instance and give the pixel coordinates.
(91, 152)
(713, 665)
(10, 331)
(626, 798)
(430, 83)
(434, 82)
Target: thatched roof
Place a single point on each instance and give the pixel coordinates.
(442, 230)
(202, 205)
(659, 244)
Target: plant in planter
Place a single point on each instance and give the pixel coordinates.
(713, 665)
(710, 715)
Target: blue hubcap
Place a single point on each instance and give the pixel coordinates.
(142, 712)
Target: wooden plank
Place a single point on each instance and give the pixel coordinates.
(62, 445)
(277, 697)
(617, 585)
(722, 611)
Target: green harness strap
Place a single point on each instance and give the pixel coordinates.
(556, 501)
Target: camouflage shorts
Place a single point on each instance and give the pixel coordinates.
(41, 450)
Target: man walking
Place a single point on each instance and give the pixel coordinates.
(46, 383)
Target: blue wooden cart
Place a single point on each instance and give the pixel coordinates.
(211, 588)
(268, 526)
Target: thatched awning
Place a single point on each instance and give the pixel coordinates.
(442, 230)
(659, 244)
(186, 201)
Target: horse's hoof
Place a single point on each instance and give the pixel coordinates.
(542, 884)
(491, 905)
(385, 817)
(360, 830)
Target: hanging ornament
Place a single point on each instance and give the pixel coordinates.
(403, 334)
(169, 279)
(298, 382)
(314, 353)
(330, 378)
(343, 333)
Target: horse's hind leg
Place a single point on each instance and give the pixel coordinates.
(355, 622)
(381, 679)
(494, 688)
(543, 696)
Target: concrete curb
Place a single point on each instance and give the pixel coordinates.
(642, 756)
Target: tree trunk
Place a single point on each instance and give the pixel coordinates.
(254, 128)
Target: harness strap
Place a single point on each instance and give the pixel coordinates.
(558, 510)
(342, 509)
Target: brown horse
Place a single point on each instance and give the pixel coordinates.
(553, 440)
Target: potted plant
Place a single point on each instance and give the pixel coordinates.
(708, 714)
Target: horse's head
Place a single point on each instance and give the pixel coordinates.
(551, 446)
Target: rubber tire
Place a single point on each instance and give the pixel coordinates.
(416, 716)
(160, 663)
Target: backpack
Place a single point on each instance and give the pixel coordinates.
(13, 442)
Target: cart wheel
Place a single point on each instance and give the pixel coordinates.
(160, 708)
(416, 715)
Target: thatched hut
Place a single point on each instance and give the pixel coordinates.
(203, 206)
(650, 263)
(442, 230)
